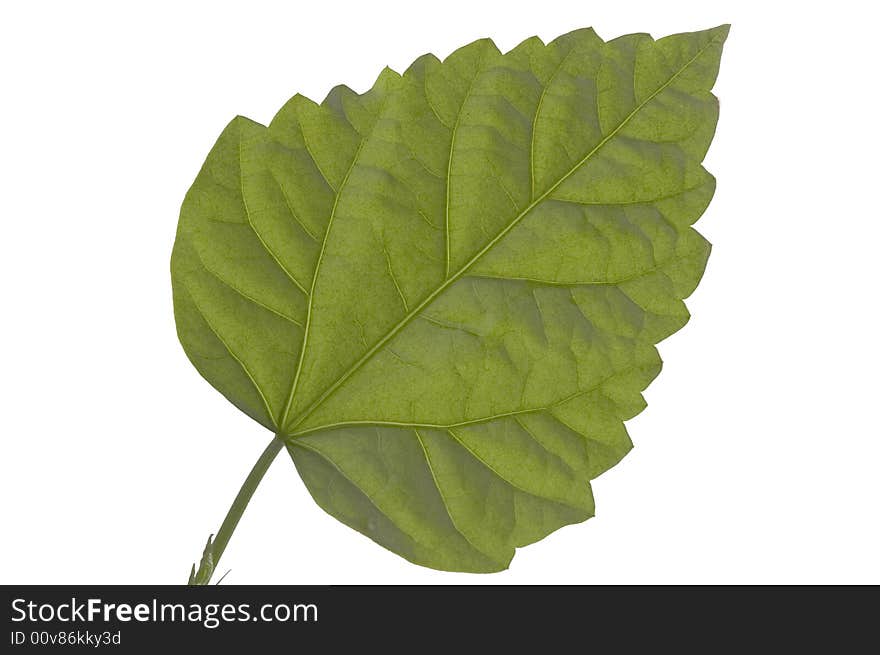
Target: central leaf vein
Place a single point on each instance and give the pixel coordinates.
(357, 365)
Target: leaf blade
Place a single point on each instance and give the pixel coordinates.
(481, 255)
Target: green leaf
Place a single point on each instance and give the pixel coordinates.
(444, 294)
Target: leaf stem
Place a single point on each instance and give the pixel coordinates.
(243, 498)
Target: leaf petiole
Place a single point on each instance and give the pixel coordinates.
(214, 549)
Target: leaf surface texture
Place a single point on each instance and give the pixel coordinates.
(446, 293)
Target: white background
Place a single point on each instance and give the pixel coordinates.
(755, 462)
